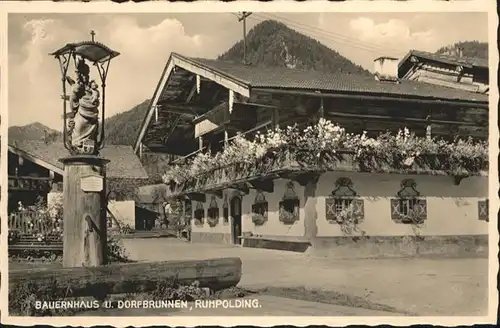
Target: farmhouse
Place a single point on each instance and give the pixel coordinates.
(34, 171)
(449, 70)
(330, 183)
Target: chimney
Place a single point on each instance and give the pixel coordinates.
(386, 69)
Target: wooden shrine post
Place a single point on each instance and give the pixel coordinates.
(83, 113)
(84, 194)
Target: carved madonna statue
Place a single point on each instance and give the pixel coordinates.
(84, 103)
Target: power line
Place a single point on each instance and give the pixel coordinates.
(330, 33)
(243, 17)
(327, 35)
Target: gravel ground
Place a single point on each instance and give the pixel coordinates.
(424, 286)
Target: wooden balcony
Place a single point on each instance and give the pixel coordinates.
(240, 119)
(19, 183)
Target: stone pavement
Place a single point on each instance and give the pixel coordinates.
(424, 286)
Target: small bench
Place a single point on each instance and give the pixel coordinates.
(31, 243)
(21, 246)
(273, 243)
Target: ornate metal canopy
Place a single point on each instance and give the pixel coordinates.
(81, 123)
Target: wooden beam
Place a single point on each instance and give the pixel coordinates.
(252, 104)
(457, 179)
(196, 196)
(208, 73)
(266, 185)
(181, 108)
(217, 193)
(198, 84)
(395, 119)
(100, 282)
(321, 110)
(419, 100)
(242, 187)
(48, 166)
(200, 143)
(165, 139)
(156, 96)
(231, 101)
(191, 93)
(305, 178)
(275, 118)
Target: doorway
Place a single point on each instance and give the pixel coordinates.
(236, 219)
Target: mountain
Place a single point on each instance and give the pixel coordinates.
(34, 131)
(469, 49)
(273, 44)
(122, 129)
(269, 44)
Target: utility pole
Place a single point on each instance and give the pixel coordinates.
(243, 17)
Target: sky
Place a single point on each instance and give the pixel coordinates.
(145, 42)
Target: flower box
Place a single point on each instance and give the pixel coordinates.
(289, 211)
(199, 215)
(259, 219)
(327, 147)
(213, 216)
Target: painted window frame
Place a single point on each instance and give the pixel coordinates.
(289, 206)
(408, 201)
(225, 211)
(213, 212)
(199, 214)
(483, 210)
(343, 197)
(260, 208)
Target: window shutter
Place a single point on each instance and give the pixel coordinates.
(421, 207)
(482, 207)
(330, 209)
(395, 210)
(358, 209)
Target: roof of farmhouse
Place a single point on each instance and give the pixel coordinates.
(283, 78)
(124, 163)
(448, 59)
(472, 63)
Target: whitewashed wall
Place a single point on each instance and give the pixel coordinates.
(451, 209)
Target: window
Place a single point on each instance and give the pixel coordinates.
(344, 203)
(408, 207)
(213, 212)
(259, 209)
(483, 213)
(289, 206)
(225, 210)
(188, 208)
(199, 213)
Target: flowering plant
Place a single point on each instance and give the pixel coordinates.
(259, 219)
(317, 146)
(348, 221)
(213, 216)
(287, 216)
(38, 221)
